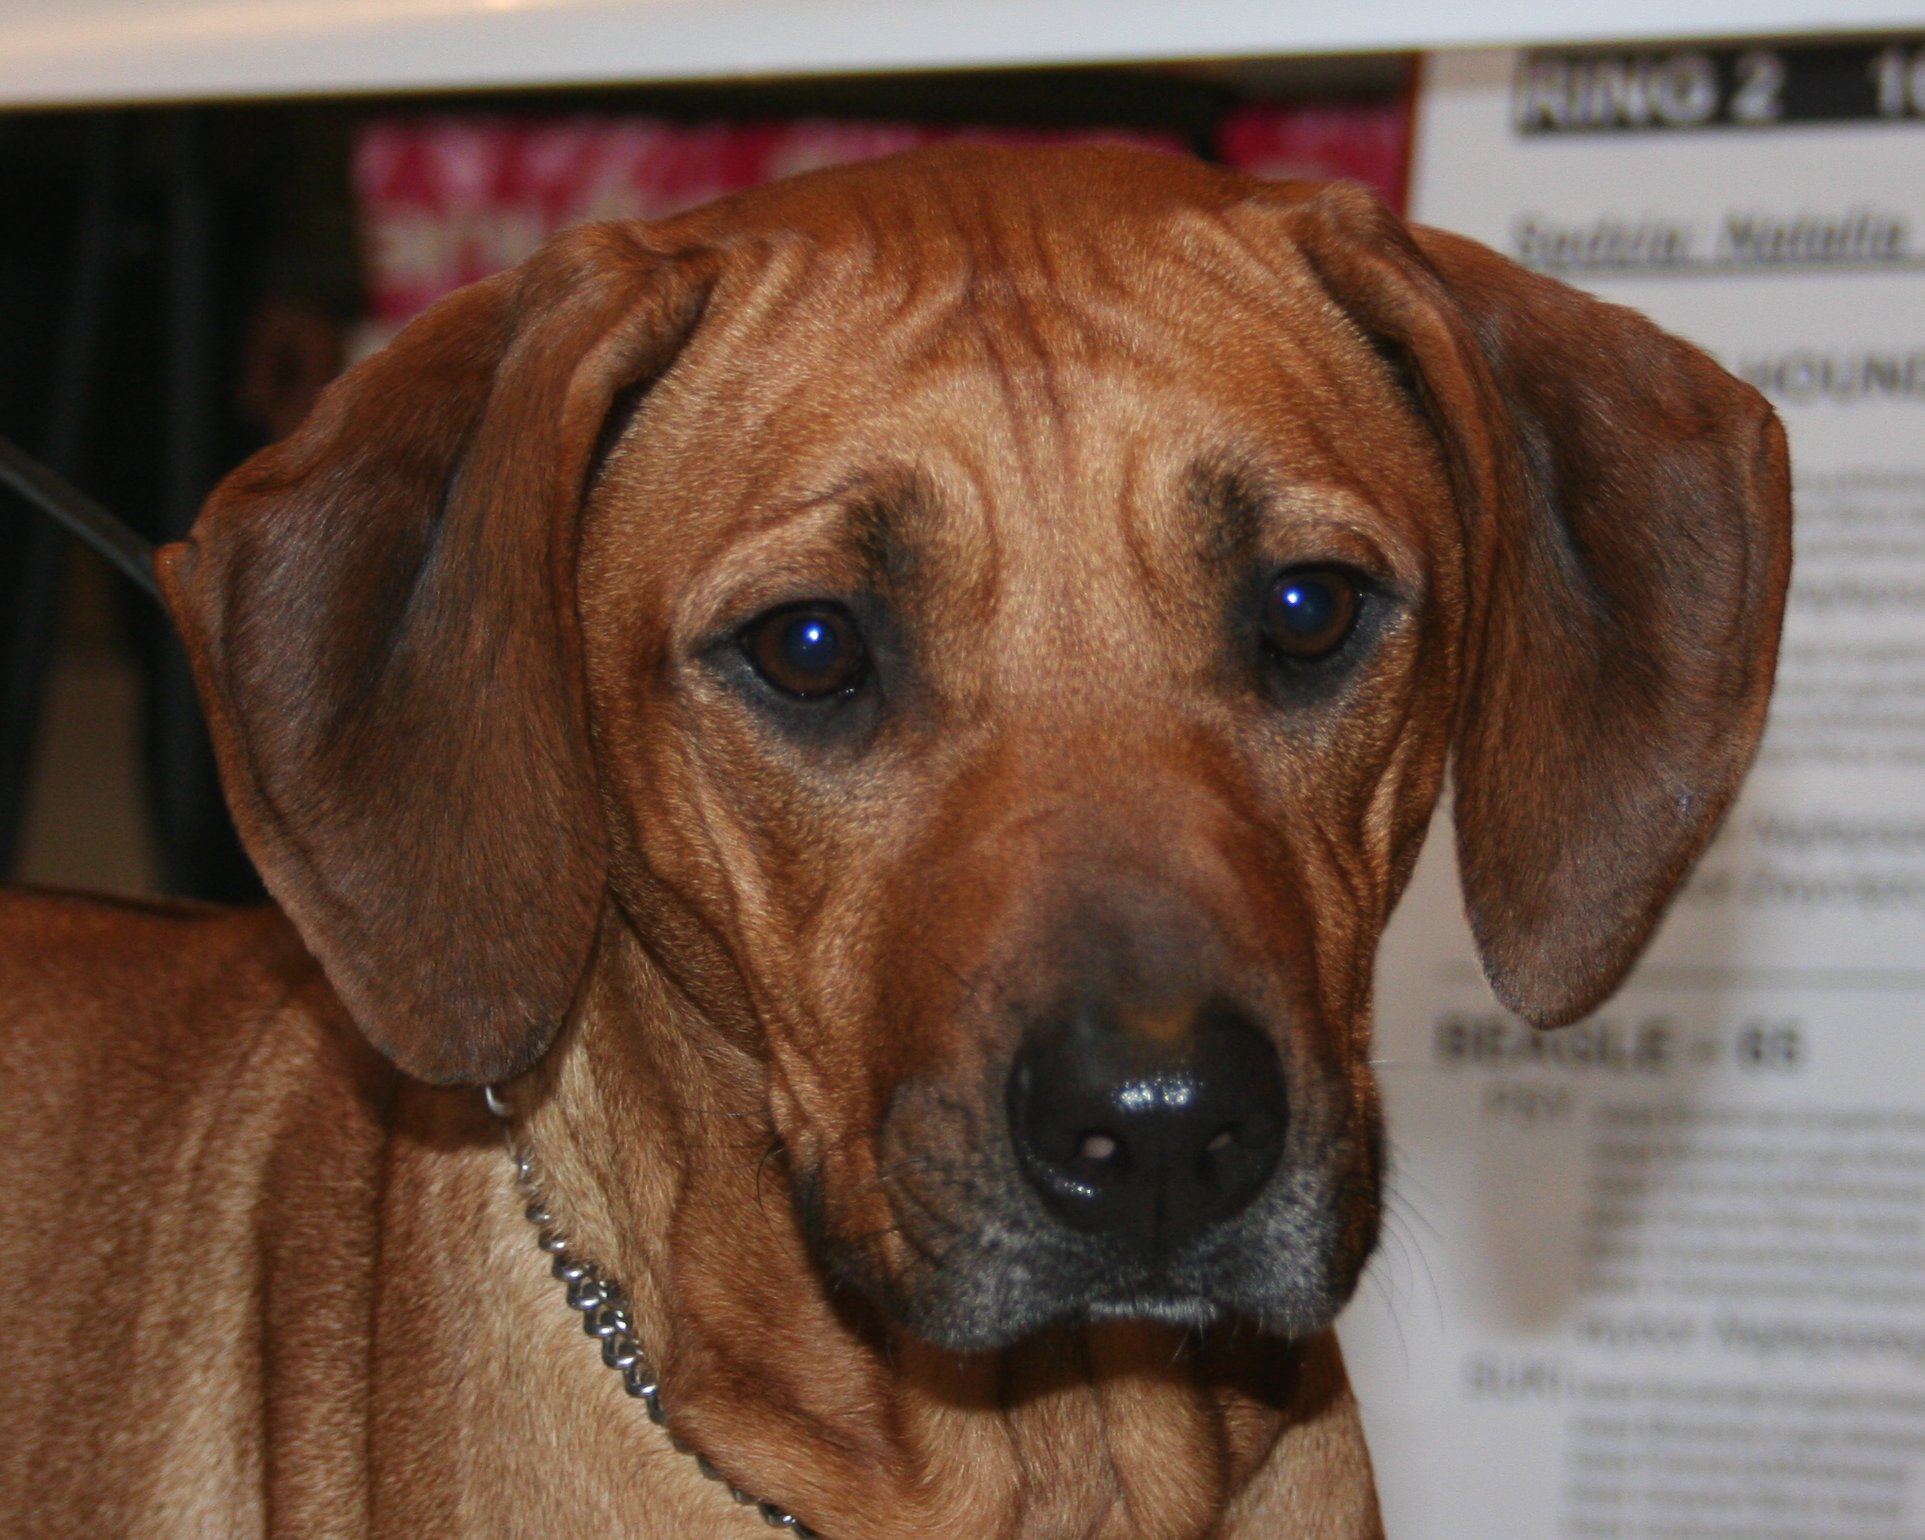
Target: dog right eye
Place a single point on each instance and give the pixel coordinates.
(809, 651)
(1310, 612)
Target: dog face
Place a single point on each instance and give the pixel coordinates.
(1047, 764)
(1012, 613)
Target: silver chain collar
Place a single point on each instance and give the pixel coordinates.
(605, 1317)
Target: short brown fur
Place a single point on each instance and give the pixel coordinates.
(753, 974)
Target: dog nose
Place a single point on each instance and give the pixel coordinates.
(1147, 1129)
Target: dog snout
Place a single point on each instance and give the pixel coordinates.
(1147, 1126)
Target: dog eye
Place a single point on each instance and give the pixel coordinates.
(1309, 612)
(811, 651)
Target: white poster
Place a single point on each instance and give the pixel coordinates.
(1662, 1274)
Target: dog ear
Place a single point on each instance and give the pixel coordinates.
(380, 613)
(1627, 516)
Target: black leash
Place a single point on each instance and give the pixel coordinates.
(78, 514)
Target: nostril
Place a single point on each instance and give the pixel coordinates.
(1102, 1149)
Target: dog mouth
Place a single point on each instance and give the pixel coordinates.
(994, 1298)
(1189, 1165)
(971, 1262)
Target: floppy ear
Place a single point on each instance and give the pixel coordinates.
(381, 617)
(1628, 518)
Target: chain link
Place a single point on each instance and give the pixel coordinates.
(605, 1317)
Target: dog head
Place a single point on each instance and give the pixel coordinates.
(995, 624)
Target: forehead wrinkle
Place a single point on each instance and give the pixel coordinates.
(1323, 509)
(981, 467)
(1013, 302)
(922, 312)
(1316, 347)
(962, 531)
(1262, 514)
(1161, 591)
(1366, 483)
(1167, 582)
(833, 538)
(1337, 404)
(1021, 370)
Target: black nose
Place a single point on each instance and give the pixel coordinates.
(1147, 1129)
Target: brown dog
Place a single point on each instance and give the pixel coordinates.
(890, 713)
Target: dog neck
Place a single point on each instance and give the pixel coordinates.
(810, 1398)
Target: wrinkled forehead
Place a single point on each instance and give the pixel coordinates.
(1024, 400)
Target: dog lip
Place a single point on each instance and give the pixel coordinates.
(1171, 1308)
(973, 1333)
(1077, 1290)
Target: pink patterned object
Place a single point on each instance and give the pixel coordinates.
(446, 200)
(1365, 141)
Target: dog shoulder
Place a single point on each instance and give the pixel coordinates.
(109, 1002)
(191, 1126)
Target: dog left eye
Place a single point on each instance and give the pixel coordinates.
(1310, 611)
(811, 651)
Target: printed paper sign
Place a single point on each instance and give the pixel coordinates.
(1663, 1274)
